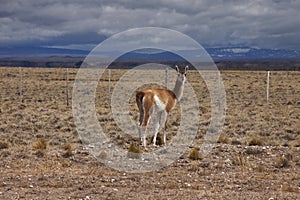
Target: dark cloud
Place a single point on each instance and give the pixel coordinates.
(271, 24)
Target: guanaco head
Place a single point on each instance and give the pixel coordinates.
(181, 73)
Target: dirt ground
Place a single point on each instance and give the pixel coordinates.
(257, 155)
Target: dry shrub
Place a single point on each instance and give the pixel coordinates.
(253, 151)
(261, 168)
(121, 142)
(3, 145)
(256, 141)
(295, 143)
(224, 139)
(240, 160)
(22, 106)
(134, 151)
(68, 150)
(65, 164)
(102, 154)
(67, 146)
(289, 188)
(194, 166)
(40, 144)
(40, 153)
(159, 139)
(170, 185)
(282, 161)
(236, 142)
(194, 154)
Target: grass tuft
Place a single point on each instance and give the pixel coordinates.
(289, 188)
(240, 160)
(261, 168)
(40, 153)
(3, 145)
(102, 154)
(224, 139)
(40, 144)
(282, 161)
(134, 151)
(68, 150)
(256, 141)
(253, 151)
(295, 143)
(236, 142)
(159, 139)
(194, 154)
(194, 166)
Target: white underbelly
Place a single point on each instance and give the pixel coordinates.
(159, 105)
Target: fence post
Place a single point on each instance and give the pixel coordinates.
(109, 100)
(166, 77)
(21, 85)
(268, 86)
(67, 86)
(219, 89)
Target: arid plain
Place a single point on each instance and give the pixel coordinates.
(257, 155)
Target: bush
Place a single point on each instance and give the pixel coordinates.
(102, 154)
(240, 160)
(194, 154)
(68, 148)
(224, 139)
(40, 144)
(253, 151)
(3, 145)
(194, 166)
(295, 143)
(134, 151)
(256, 141)
(282, 161)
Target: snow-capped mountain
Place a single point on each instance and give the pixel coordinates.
(233, 53)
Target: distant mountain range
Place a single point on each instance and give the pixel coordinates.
(225, 57)
(219, 53)
(228, 53)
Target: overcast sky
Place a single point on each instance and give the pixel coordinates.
(82, 24)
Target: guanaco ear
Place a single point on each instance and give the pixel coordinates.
(177, 69)
(185, 69)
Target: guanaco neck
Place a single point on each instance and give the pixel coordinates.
(178, 89)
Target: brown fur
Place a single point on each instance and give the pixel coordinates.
(147, 95)
(145, 100)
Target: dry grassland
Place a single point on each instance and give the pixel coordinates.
(257, 156)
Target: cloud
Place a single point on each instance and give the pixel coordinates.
(266, 24)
